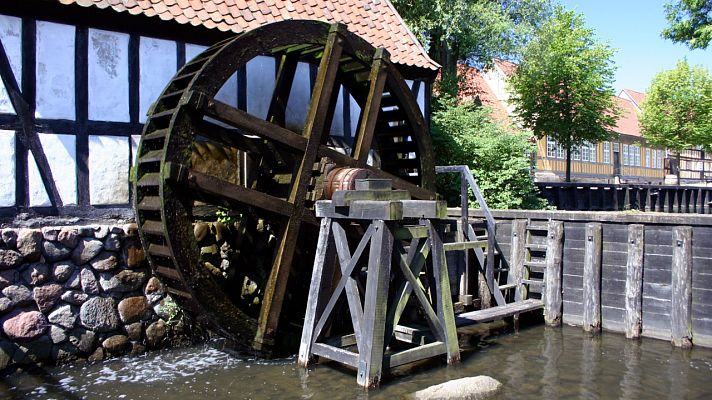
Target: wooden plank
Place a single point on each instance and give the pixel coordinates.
(445, 310)
(336, 354)
(370, 362)
(634, 281)
(459, 246)
(498, 312)
(424, 209)
(343, 198)
(517, 258)
(370, 111)
(319, 283)
(553, 274)
(276, 112)
(417, 353)
(681, 314)
(361, 209)
(592, 279)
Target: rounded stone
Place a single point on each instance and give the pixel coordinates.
(19, 295)
(35, 274)
(99, 314)
(74, 297)
(155, 333)
(29, 244)
(25, 325)
(62, 271)
(89, 283)
(153, 286)
(50, 232)
(64, 353)
(124, 281)
(57, 334)
(97, 355)
(133, 253)
(83, 340)
(9, 277)
(46, 296)
(131, 229)
(100, 231)
(86, 250)
(133, 309)
(105, 261)
(5, 305)
(10, 259)
(9, 236)
(475, 387)
(117, 345)
(63, 316)
(112, 242)
(74, 281)
(68, 237)
(137, 349)
(134, 331)
(54, 251)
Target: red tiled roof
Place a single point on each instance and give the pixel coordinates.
(374, 20)
(473, 87)
(508, 67)
(637, 97)
(628, 121)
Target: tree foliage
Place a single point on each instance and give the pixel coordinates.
(475, 30)
(562, 88)
(464, 134)
(677, 111)
(690, 23)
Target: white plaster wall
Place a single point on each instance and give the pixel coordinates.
(337, 125)
(108, 76)
(7, 168)
(260, 84)
(355, 111)
(108, 170)
(134, 147)
(228, 92)
(55, 71)
(60, 151)
(11, 35)
(192, 50)
(298, 103)
(157, 64)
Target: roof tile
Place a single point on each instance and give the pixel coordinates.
(375, 20)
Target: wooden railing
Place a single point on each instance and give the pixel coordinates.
(617, 197)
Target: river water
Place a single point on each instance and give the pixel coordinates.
(536, 362)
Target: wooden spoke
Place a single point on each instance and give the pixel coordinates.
(282, 88)
(314, 129)
(227, 191)
(369, 113)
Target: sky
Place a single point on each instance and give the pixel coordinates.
(633, 27)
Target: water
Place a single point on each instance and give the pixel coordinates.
(537, 362)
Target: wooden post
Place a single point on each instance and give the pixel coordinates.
(370, 362)
(516, 260)
(444, 309)
(592, 278)
(634, 281)
(552, 275)
(319, 279)
(681, 313)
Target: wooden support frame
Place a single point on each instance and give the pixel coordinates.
(553, 299)
(592, 278)
(634, 281)
(681, 302)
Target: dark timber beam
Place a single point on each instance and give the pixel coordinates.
(370, 111)
(29, 137)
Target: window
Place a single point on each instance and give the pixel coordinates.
(647, 158)
(550, 148)
(585, 152)
(636, 151)
(593, 148)
(607, 152)
(576, 153)
(661, 156)
(626, 154)
(560, 151)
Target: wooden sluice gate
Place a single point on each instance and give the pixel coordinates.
(400, 302)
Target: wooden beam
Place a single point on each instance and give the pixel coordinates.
(681, 302)
(552, 273)
(276, 112)
(370, 111)
(314, 130)
(634, 281)
(29, 137)
(592, 278)
(517, 257)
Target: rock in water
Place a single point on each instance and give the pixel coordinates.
(476, 387)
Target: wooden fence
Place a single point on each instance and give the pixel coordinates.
(645, 274)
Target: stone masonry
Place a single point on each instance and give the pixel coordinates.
(77, 292)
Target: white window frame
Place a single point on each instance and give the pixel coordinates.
(576, 153)
(606, 152)
(626, 154)
(647, 158)
(551, 148)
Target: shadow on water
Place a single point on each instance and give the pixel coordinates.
(536, 362)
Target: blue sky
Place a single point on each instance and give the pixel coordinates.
(633, 27)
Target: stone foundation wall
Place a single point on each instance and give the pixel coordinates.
(78, 292)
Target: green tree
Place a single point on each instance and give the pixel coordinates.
(677, 111)
(562, 88)
(690, 23)
(464, 134)
(475, 30)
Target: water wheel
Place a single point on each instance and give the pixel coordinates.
(281, 171)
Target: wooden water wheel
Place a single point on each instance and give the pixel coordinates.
(284, 170)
